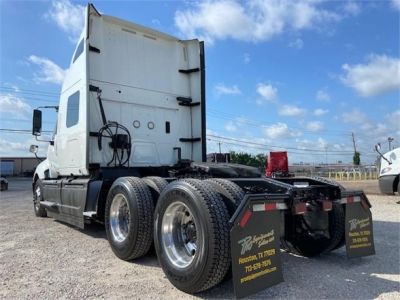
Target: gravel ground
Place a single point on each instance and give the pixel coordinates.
(43, 258)
(371, 187)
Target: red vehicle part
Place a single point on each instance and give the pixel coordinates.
(277, 164)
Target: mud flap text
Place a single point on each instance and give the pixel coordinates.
(256, 262)
(359, 234)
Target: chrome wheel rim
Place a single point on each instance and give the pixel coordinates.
(179, 235)
(119, 218)
(36, 199)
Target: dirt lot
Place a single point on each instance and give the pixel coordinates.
(371, 187)
(42, 258)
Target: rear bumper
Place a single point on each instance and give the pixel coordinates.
(386, 183)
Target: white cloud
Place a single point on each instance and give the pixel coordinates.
(49, 71)
(396, 4)
(11, 104)
(230, 126)
(352, 8)
(279, 130)
(320, 112)
(297, 43)
(9, 148)
(291, 111)
(222, 89)
(322, 96)
(254, 20)
(394, 120)
(380, 74)
(355, 116)
(322, 143)
(267, 91)
(315, 126)
(68, 16)
(246, 58)
(156, 22)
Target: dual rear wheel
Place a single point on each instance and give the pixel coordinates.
(188, 220)
(190, 226)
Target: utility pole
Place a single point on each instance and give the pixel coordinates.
(354, 142)
(390, 140)
(219, 145)
(326, 155)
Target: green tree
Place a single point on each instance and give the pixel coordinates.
(356, 158)
(247, 159)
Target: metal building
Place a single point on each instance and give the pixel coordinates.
(17, 166)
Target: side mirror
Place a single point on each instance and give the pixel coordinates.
(37, 122)
(34, 149)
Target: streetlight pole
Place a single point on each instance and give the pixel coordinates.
(390, 140)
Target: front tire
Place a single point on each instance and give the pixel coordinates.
(40, 211)
(129, 218)
(192, 235)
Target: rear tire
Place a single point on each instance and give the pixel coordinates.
(40, 211)
(309, 246)
(129, 218)
(231, 193)
(156, 186)
(191, 235)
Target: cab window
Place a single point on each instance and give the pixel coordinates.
(78, 51)
(73, 110)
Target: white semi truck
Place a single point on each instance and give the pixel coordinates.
(129, 151)
(389, 171)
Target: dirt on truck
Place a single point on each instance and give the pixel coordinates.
(129, 151)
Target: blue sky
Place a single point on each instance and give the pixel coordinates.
(295, 75)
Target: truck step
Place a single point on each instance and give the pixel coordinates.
(89, 214)
(50, 205)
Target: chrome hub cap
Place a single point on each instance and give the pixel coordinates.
(179, 235)
(36, 199)
(119, 218)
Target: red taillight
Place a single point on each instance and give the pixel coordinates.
(300, 208)
(246, 217)
(270, 206)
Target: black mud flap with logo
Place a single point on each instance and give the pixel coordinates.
(358, 227)
(255, 245)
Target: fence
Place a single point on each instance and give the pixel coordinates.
(350, 174)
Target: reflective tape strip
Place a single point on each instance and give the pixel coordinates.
(350, 199)
(269, 206)
(246, 217)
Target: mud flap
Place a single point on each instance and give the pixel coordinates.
(358, 227)
(255, 247)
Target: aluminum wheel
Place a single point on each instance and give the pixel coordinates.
(36, 199)
(119, 218)
(179, 235)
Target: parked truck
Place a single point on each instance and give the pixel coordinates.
(389, 170)
(129, 151)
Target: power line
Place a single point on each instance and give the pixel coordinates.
(275, 146)
(264, 125)
(289, 151)
(37, 92)
(23, 131)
